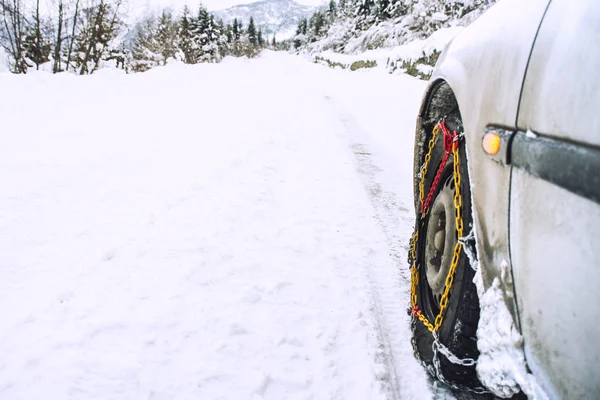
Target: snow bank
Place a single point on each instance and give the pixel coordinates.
(501, 366)
(385, 56)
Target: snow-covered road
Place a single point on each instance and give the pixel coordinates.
(232, 231)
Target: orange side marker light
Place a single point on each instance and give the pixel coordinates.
(491, 143)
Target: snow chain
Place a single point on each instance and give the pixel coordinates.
(451, 148)
(438, 347)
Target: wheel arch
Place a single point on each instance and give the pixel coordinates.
(439, 100)
(450, 90)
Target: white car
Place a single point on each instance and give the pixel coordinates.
(505, 260)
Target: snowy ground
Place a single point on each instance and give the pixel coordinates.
(232, 231)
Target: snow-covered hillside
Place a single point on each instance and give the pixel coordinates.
(354, 26)
(279, 17)
(403, 35)
(140, 7)
(232, 231)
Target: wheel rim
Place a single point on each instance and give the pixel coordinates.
(440, 241)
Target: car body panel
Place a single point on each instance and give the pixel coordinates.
(555, 264)
(487, 85)
(561, 94)
(554, 233)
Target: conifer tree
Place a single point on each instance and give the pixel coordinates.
(235, 29)
(301, 31)
(237, 32)
(199, 28)
(317, 24)
(166, 35)
(398, 8)
(332, 10)
(303, 27)
(205, 37)
(185, 42)
(260, 40)
(252, 34)
(229, 33)
(145, 52)
(363, 8)
(223, 42)
(342, 7)
(37, 45)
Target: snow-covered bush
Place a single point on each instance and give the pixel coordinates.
(362, 64)
(420, 68)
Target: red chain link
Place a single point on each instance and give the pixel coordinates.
(450, 143)
(416, 312)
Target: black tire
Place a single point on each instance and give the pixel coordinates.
(459, 328)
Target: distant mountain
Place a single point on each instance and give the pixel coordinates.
(279, 17)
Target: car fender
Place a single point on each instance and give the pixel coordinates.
(484, 66)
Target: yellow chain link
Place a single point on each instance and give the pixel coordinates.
(434, 134)
(439, 319)
(413, 290)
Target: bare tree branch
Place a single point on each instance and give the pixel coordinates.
(58, 43)
(72, 35)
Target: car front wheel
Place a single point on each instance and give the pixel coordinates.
(444, 302)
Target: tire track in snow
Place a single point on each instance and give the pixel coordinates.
(390, 296)
(390, 279)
